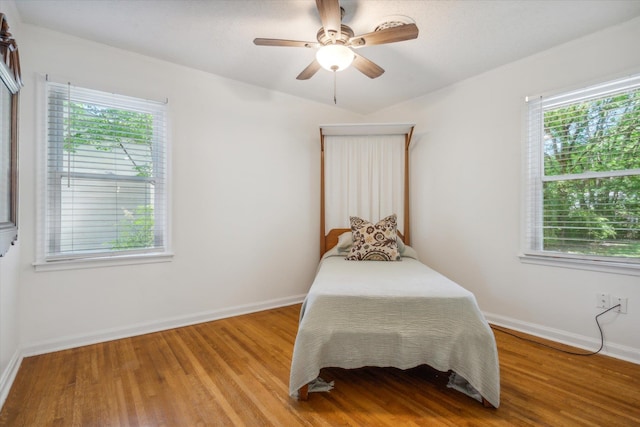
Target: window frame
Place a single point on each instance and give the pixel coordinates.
(10, 84)
(534, 179)
(45, 259)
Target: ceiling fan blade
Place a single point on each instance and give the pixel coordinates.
(286, 43)
(331, 17)
(367, 67)
(388, 35)
(308, 72)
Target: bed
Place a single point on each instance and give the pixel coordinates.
(363, 312)
(398, 314)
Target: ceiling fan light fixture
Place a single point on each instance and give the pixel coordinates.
(334, 57)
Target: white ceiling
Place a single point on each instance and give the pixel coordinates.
(457, 39)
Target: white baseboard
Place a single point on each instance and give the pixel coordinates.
(587, 343)
(156, 326)
(9, 375)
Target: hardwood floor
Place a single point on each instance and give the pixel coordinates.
(235, 372)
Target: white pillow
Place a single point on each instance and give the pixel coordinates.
(345, 241)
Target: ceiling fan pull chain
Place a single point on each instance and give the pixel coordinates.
(334, 88)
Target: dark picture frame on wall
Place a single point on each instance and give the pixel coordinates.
(11, 83)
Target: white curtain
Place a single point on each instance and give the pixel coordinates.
(364, 176)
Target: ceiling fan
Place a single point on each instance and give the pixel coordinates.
(336, 42)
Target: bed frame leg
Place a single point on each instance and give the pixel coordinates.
(486, 403)
(303, 393)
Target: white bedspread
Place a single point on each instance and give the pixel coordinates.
(393, 314)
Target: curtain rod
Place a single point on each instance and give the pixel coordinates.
(366, 129)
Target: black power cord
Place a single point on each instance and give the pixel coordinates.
(497, 328)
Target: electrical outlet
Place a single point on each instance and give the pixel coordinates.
(623, 304)
(603, 300)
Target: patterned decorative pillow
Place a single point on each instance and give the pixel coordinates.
(374, 242)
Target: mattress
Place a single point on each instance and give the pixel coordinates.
(398, 314)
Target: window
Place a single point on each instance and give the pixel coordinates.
(584, 175)
(105, 190)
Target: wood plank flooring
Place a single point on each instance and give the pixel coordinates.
(235, 372)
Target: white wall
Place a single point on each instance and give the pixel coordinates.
(9, 319)
(245, 200)
(466, 194)
(9, 264)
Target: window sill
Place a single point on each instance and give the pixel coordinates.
(77, 264)
(605, 266)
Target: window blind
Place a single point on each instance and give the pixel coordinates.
(106, 171)
(583, 167)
